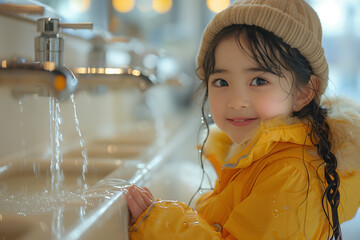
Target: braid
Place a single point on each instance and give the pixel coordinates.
(321, 131)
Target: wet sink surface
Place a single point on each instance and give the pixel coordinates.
(29, 202)
(27, 187)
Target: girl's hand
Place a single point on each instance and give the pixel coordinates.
(138, 200)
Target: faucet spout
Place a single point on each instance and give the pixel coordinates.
(92, 78)
(35, 78)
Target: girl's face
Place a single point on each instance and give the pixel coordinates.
(241, 95)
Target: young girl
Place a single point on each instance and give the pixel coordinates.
(288, 166)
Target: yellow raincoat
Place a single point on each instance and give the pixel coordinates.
(269, 188)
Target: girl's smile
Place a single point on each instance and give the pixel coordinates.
(240, 122)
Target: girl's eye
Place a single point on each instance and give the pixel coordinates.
(258, 82)
(220, 83)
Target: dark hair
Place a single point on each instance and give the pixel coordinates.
(273, 55)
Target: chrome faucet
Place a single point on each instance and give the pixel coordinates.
(49, 46)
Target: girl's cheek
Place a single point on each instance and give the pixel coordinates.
(215, 106)
(265, 110)
(270, 108)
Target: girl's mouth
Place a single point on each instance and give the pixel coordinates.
(239, 122)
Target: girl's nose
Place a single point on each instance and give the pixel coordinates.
(238, 101)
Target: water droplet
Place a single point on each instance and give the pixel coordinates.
(59, 120)
(276, 213)
(20, 105)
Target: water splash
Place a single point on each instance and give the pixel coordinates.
(82, 143)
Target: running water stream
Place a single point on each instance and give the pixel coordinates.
(57, 176)
(55, 138)
(55, 169)
(23, 142)
(82, 143)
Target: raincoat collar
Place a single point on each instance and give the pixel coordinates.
(280, 129)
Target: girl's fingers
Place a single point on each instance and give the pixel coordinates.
(146, 196)
(149, 194)
(138, 196)
(133, 207)
(138, 200)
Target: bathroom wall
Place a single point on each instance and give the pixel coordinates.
(25, 123)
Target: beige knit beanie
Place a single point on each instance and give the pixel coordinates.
(292, 20)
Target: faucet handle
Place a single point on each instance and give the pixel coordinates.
(77, 25)
(53, 25)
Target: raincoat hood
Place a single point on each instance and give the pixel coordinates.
(343, 119)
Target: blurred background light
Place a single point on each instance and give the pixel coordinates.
(150, 61)
(167, 68)
(161, 6)
(123, 6)
(80, 6)
(332, 16)
(118, 59)
(217, 5)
